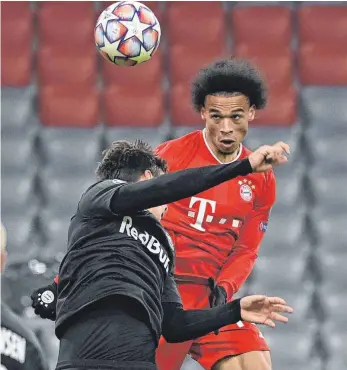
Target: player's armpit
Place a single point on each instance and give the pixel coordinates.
(244, 254)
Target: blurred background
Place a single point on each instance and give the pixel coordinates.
(61, 104)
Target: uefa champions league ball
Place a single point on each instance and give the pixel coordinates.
(127, 33)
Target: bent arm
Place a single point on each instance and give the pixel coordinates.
(180, 325)
(174, 186)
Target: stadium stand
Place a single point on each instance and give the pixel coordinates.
(61, 106)
(16, 43)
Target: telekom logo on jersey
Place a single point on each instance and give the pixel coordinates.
(206, 210)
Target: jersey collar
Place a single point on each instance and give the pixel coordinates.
(213, 155)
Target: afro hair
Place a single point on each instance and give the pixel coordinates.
(229, 76)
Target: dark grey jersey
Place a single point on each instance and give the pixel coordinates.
(117, 247)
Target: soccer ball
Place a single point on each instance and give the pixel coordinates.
(127, 33)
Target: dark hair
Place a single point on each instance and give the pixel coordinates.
(229, 76)
(127, 161)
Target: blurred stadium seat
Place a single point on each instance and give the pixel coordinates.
(69, 105)
(136, 108)
(281, 108)
(145, 75)
(275, 64)
(17, 108)
(184, 65)
(62, 194)
(315, 24)
(182, 112)
(16, 43)
(270, 26)
(60, 146)
(323, 64)
(17, 194)
(67, 65)
(17, 156)
(209, 30)
(325, 111)
(78, 18)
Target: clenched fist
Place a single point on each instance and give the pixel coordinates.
(44, 301)
(267, 156)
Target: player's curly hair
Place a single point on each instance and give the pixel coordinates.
(229, 76)
(127, 161)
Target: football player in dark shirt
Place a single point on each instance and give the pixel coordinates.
(20, 349)
(116, 293)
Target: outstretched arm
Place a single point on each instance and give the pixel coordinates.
(185, 183)
(180, 325)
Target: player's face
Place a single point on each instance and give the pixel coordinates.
(226, 119)
(157, 212)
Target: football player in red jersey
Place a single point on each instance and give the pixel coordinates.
(217, 233)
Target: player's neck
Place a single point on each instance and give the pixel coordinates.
(221, 157)
(227, 158)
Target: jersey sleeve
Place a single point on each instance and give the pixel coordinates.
(109, 197)
(170, 292)
(245, 251)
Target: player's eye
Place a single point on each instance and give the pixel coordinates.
(236, 117)
(215, 117)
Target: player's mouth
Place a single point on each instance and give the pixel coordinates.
(227, 142)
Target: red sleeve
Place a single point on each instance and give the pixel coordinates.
(242, 258)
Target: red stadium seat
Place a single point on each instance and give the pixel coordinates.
(16, 24)
(281, 109)
(155, 6)
(323, 64)
(323, 24)
(182, 112)
(66, 22)
(276, 65)
(16, 43)
(126, 106)
(69, 105)
(146, 74)
(59, 66)
(196, 23)
(186, 62)
(16, 67)
(264, 25)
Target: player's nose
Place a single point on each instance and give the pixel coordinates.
(226, 127)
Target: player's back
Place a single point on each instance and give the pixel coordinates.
(205, 227)
(112, 254)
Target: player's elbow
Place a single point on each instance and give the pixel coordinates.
(172, 335)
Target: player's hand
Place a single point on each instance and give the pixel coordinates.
(218, 294)
(267, 156)
(44, 301)
(260, 309)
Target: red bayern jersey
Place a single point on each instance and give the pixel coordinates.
(217, 233)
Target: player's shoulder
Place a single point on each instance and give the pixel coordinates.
(175, 144)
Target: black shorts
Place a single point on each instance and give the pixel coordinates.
(112, 334)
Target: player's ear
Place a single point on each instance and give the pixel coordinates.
(203, 113)
(251, 113)
(147, 175)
